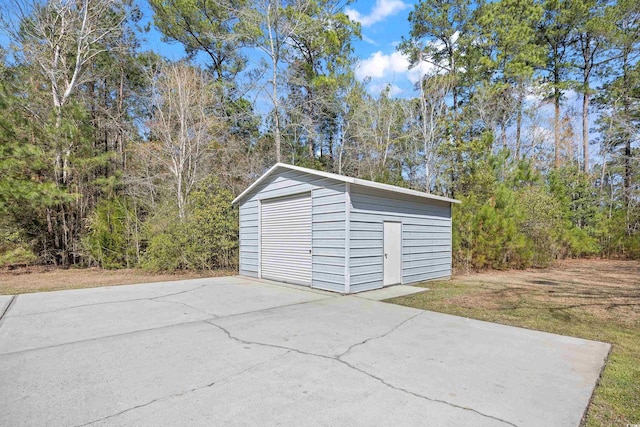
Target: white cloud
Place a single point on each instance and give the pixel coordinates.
(380, 65)
(383, 66)
(416, 73)
(380, 11)
(377, 89)
(369, 40)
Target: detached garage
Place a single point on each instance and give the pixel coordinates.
(341, 234)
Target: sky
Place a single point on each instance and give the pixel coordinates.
(383, 22)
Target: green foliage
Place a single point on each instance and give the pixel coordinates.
(21, 255)
(211, 27)
(488, 232)
(207, 238)
(14, 249)
(614, 238)
(22, 163)
(578, 207)
(519, 221)
(540, 223)
(113, 237)
(509, 27)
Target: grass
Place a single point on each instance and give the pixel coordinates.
(595, 300)
(41, 279)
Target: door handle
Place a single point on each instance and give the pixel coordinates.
(385, 255)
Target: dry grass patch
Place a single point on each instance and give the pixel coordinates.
(40, 279)
(592, 299)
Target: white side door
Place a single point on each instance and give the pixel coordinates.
(392, 253)
(285, 239)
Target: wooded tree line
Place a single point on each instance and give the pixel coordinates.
(111, 154)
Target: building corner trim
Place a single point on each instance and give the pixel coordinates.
(347, 238)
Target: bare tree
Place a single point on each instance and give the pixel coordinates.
(60, 38)
(434, 90)
(275, 27)
(183, 126)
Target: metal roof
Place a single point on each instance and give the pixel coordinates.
(336, 177)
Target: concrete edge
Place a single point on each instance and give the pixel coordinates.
(390, 292)
(4, 310)
(117, 285)
(605, 362)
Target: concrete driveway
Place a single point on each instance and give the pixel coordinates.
(235, 351)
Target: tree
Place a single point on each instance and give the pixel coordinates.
(269, 22)
(213, 27)
(60, 38)
(590, 34)
(437, 29)
(22, 163)
(556, 34)
(508, 28)
(319, 69)
(434, 90)
(56, 43)
(182, 127)
(621, 94)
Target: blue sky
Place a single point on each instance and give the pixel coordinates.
(383, 22)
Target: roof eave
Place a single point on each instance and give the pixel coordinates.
(356, 181)
(401, 190)
(255, 183)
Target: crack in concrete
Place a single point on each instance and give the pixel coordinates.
(160, 327)
(124, 334)
(362, 371)
(185, 305)
(395, 328)
(108, 302)
(183, 393)
(209, 321)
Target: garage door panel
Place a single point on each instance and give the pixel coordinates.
(286, 239)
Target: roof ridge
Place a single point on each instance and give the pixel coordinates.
(344, 178)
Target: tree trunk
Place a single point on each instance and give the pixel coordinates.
(120, 142)
(587, 56)
(585, 129)
(503, 135)
(519, 120)
(275, 57)
(556, 128)
(557, 93)
(627, 142)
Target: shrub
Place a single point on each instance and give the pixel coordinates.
(14, 250)
(20, 255)
(206, 238)
(541, 222)
(113, 233)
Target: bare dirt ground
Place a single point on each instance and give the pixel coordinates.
(606, 289)
(39, 279)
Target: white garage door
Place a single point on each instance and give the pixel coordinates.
(286, 239)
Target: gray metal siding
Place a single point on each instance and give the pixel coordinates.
(249, 238)
(426, 231)
(328, 225)
(329, 236)
(426, 237)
